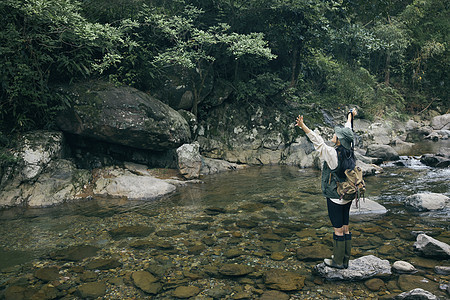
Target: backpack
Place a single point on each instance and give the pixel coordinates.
(353, 187)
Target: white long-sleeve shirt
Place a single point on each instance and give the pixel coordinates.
(327, 154)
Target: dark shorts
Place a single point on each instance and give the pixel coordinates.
(339, 214)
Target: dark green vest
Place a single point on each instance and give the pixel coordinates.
(329, 177)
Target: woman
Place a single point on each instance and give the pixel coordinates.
(336, 159)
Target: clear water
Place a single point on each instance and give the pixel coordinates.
(274, 197)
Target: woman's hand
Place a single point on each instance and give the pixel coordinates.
(354, 111)
(300, 121)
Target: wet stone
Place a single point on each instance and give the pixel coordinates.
(313, 253)
(273, 246)
(251, 207)
(47, 274)
(282, 280)
(218, 292)
(146, 282)
(131, 231)
(196, 249)
(270, 237)
(89, 276)
(274, 295)
(198, 227)
(442, 270)
(246, 224)
(170, 232)
(92, 290)
(47, 292)
(214, 211)
(209, 241)
(279, 256)
(235, 270)
(103, 264)
(75, 253)
(388, 235)
(284, 232)
(143, 244)
(410, 282)
(374, 284)
(233, 253)
(183, 292)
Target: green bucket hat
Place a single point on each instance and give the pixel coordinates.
(345, 136)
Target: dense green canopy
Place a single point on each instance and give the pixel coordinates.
(377, 54)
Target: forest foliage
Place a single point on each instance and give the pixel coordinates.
(384, 55)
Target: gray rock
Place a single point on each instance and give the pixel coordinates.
(435, 160)
(437, 135)
(367, 207)
(123, 115)
(213, 166)
(441, 122)
(361, 268)
(427, 201)
(416, 294)
(189, 160)
(61, 181)
(384, 152)
(442, 270)
(430, 247)
(403, 267)
(121, 183)
(36, 149)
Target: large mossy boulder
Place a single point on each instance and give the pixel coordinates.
(124, 116)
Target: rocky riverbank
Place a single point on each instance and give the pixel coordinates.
(112, 138)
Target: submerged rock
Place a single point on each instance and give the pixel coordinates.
(313, 253)
(235, 270)
(361, 268)
(183, 292)
(92, 290)
(430, 247)
(427, 201)
(131, 231)
(282, 280)
(410, 282)
(75, 253)
(146, 282)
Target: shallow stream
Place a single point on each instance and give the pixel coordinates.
(258, 216)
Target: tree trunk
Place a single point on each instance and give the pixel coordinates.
(387, 73)
(294, 67)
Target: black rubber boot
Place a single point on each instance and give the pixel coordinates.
(348, 249)
(337, 260)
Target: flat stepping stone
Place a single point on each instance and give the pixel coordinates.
(359, 269)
